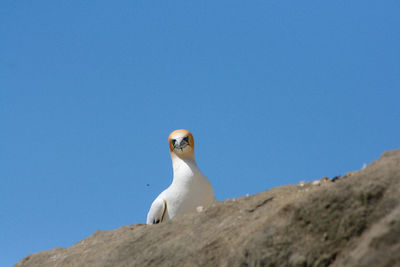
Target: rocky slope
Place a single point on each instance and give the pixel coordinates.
(350, 221)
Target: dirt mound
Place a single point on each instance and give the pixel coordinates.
(351, 221)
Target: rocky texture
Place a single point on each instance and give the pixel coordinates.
(351, 221)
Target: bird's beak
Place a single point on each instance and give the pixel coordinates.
(180, 143)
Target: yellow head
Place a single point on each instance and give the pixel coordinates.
(181, 144)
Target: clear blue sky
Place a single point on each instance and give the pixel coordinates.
(275, 92)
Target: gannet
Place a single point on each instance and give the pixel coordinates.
(189, 189)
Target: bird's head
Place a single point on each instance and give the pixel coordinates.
(181, 144)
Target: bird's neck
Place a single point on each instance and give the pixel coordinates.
(184, 168)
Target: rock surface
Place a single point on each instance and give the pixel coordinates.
(350, 221)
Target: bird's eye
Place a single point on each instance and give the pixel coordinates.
(173, 142)
(186, 139)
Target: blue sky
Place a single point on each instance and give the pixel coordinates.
(274, 92)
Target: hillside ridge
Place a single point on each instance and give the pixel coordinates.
(353, 220)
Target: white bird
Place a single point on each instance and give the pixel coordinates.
(189, 189)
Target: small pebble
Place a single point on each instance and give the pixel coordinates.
(316, 182)
(364, 166)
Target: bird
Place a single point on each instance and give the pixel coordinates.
(190, 190)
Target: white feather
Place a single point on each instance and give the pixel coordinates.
(157, 211)
(189, 190)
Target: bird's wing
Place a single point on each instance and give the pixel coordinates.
(157, 211)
